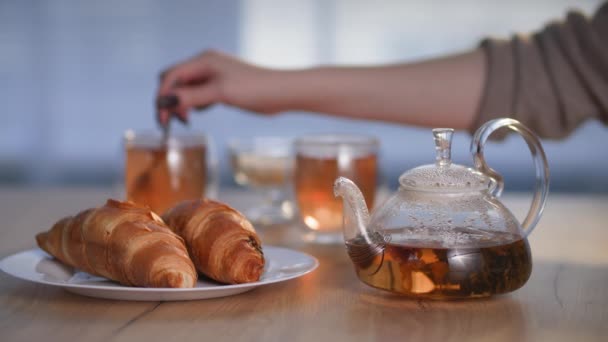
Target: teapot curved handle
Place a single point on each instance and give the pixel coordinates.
(538, 155)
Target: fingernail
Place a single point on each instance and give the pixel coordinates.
(167, 101)
(180, 118)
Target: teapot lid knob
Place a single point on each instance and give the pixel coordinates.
(443, 175)
(443, 146)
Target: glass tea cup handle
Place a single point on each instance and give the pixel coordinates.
(540, 162)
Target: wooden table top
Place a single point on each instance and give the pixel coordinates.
(566, 298)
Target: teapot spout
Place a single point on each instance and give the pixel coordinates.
(364, 246)
(356, 214)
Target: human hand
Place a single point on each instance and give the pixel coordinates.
(214, 77)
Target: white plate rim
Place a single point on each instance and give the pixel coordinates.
(123, 288)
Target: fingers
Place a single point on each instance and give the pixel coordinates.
(196, 96)
(186, 86)
(191, 71)
(164, 115)
(182, 99)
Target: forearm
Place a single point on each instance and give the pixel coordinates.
(440, 92)
(551, 81)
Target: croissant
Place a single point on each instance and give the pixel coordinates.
(221, 241)
(123, 242)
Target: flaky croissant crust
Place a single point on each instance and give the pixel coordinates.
(123, 242)
(221, 241)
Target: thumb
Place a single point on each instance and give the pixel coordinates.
(183, 99)
(196, 96)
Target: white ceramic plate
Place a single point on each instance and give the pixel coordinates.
(36, 266)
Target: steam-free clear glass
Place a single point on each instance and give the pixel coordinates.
(265, 165)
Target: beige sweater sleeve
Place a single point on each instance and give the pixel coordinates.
(551, 81)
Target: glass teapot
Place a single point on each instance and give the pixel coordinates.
(444, 234)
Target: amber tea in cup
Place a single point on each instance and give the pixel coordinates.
(320, 159)
(161, 172)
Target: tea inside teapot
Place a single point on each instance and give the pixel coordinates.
(422, 266)
(445, 234)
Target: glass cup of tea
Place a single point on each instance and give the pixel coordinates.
(265, 165)
(320, 159)
(161, 172)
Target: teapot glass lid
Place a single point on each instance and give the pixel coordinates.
(444, 176)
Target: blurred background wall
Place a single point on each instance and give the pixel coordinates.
(74, 75)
